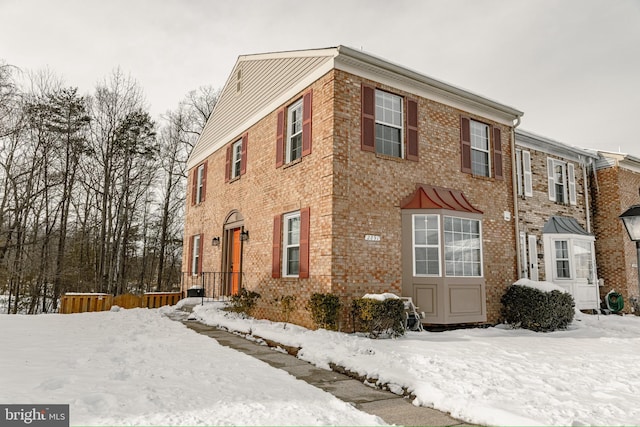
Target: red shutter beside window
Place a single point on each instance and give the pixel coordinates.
(368, 119)
(243, 159)
(190, 255)
(497, 154)
(304, 243)
(412, 130)
(203, 196)
(465, 145)
(227, 163)
(276, 253)
(306, 122)
(194, 185)
(280, 139)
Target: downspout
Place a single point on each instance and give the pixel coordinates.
(514, 179)
(587, 207)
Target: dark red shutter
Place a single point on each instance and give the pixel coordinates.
(200, 252)
(368, 119)
(204, 182)
(304, 243)
(280, 139)
(465, 144)
(227, 164)
(276, 253)
(412, 130)
(497, 154)
(194, 185)
(190, 255)
(306, 122)
(243, 159)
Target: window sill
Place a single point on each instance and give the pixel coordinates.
(237, 178)
(292, 163)
(387, 157)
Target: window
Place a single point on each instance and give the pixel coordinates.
(294, 132)
(199, 184)
(523, 172)
(562, 182)
(583, 259)
(291, 245)
(196, 249)
(290, 256)
(236, 159)
(388, 124)
(480, 158)
(426, 245)
(462, 246)
(562, 259)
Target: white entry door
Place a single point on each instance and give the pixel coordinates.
(533, 258)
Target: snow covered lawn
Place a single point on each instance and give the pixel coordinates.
(586, 375)
(137, 367)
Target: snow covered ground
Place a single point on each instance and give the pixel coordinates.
(137, 367)
(586, 375)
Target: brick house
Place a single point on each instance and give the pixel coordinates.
(615, 188)
(333, 170)
(554, 223)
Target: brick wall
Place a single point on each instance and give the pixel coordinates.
(350, 193)
(616, 190)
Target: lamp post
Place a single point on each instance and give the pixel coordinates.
(631, 220)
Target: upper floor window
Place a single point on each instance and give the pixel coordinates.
(561, 181)
(480, 158)
(523, 172)
(199, 184)
(236, 160)
(481, 148)
(294, 132)
(388, 124)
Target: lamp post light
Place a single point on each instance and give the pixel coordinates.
(631, 221)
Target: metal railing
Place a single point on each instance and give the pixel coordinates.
(214, 284)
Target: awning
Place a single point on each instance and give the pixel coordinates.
(564, 225)
(430, 197)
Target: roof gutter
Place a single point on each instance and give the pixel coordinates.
(516, 209)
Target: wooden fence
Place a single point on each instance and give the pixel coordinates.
(81, 303)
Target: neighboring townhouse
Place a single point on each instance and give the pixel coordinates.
(554, 220)
(333, 170)
(615, 188)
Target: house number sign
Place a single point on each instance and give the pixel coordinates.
(371, 238)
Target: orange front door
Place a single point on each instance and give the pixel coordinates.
(236, 251)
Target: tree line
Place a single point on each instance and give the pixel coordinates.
(92, 189)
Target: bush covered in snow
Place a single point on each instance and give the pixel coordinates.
(325, 309)
(379, 316)
(244, 302)
(538, 309)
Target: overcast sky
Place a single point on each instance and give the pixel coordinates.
(572, 66)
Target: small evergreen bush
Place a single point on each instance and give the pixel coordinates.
(286, 304)
(534, 309)
(325, 309)
(378, 318)
(244, 302)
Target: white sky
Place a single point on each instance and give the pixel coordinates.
(572, 66)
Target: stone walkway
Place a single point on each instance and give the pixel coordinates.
(392, 408)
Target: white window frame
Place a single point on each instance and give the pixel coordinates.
(287, 245)
(195, 255)
(199, 183)
(523, 173)
(568, 176)
(236, 159)
(476, 140)
(426, 245)
(557, 259)
(294, 131)
(380, 108)
(464, 262)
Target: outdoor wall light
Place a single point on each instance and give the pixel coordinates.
(631, 220)
(215, 241)
(244, 236)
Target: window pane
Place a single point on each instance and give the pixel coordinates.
(480, 162)
(462, 247)
(294, 133)
(426, 250)
(293, 261)
(583, 259)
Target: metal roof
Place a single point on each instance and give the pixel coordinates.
(564, 225)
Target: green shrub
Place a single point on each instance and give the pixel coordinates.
(286, 304)
(244, 302)
(534, 309)
(325, 309)
(377, 317)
